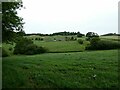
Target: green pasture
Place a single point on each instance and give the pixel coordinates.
(50, 38)
(54, 46)
(115, 38)
(67, 67)
(59, 46)
(62, 46)
(93, 69)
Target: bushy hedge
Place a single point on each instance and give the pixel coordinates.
(4, 52)
(80, 41)
(26, 46)
(97, 44)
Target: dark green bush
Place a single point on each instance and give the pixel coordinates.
(87, 39)
(92, 37)
(34, 49)
(102, 45)
(26, 46)
(41, 50)
(4, 53)
(108, 45)
(10, 48)
(80, 41)
(75, 39)
(72, 38)
(94, 40)
(41, 39)
(30, 49)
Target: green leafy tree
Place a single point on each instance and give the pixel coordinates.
(11, 22)
(79, 34)
(90, 35)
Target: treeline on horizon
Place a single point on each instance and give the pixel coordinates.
(69, 33)
(58, 33)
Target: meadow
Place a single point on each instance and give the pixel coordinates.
(64, 46)
(94, 69)
(66, 65)
(114, 38)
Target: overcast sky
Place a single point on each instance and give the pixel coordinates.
(49, 16)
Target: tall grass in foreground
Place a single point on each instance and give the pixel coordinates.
(96, 69)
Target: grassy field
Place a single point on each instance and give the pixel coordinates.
(54, 46)
(67, 67)
(116, 38)
(49, 38)
(89, 69)
(62, 46)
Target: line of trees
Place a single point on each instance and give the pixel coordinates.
(111, 34)
(59, 33)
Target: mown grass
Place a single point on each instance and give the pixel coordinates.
(94, 69)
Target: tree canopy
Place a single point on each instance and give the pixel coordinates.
(11, 22)
(92, 34)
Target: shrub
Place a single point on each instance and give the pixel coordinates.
(36, 38)
(75, 39)
(72, 38)
(34, 49)
(80, 41)
(94, 40)
(66, 38)
(21, 45)
(4, 53)
(41, 50)
(41, 39)
(103, 45)
(26, 46)
(30, 49)
(108, 45)
(10, 48)
(87, 38)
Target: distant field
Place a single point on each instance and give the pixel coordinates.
(50, 38)
(54, 46)
(94, 69)
(110, 37)
(61, 46)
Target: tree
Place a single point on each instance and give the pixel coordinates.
(11, 22)
(92, 34)
(79, 34)
(21, 33)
